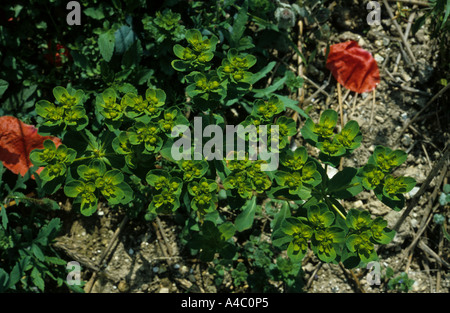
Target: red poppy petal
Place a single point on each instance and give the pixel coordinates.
(17, 140)
(353, 67)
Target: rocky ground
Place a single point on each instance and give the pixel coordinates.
(146, 256)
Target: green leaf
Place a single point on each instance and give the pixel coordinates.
(4, 277)
(106, 42)
(37, 252)
(36, 277)
(371, 176)
(18, 271)
(320, 216)
(345, 184)
(245, 219)
(395, 202)
(73, 188)
(293, 105)
(308, 132)
(227, 229)
(262, 73)
(350, 136)
(3, 86)
(358, 220)
(113, 177)
(239, 25)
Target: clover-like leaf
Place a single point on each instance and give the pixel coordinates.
(73, 188)
(65, 155)
(204, 195)
(67, 99)
(147, 134)
(52, 114)
(44, 156)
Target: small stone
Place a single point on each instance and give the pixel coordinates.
(378, 58)
(184, 269)
(164, 290)
(379, 119)
(309, 268)
(358, 204)
(413, 191)
(406, 140)
(406, 77)
(123, 286)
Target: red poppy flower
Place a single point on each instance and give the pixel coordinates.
(59, 56)
(353, 67)
(17, 140)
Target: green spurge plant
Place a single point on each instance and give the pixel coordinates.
(121, 151)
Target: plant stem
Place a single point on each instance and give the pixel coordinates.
(340, 104)
(84, 158)
(338, 211)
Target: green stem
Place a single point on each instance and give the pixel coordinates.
(334, 207)
(84, 158)
(338, 211)
(87, 140)
(345, 187)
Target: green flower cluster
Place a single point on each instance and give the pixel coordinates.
(167, 192)
(299, 173)
(95, 180)
(235, 67)
(316, 228)
(332, 147)
(265, 112)
(376, 175)
(246, 176)
(204, 195)
(55, 160)
(365, 232)
(198, 54)
(68, 112)
(165, 25)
